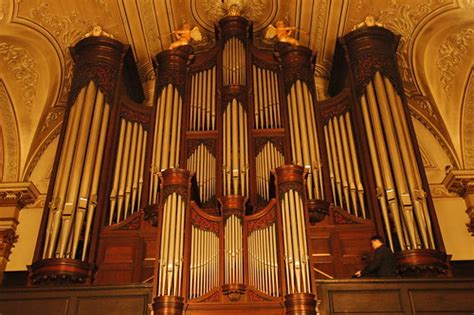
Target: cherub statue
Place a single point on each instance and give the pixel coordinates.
(184, 36)
(97, 31)
(368, 22)
(282, 32)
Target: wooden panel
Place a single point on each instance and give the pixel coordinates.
(119, 253)
(31, 306)
(79, 300)
(442, 300)
(123, 305)
(359, 302)
(396, 296)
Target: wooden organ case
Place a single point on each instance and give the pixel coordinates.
(238, 187)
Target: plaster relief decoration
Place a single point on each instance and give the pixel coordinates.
(451, 53)
(468, 124)
(260, 12)
(2, 10)
(49, 130)
(250, 9)
(67, 31)
(11, 141)
(24, 69)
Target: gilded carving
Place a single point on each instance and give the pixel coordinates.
(24, 69)
(450, 54)
(11, 137)
(468, 123)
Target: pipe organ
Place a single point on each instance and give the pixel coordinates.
(237, 185)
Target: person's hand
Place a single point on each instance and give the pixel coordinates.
(357, 274)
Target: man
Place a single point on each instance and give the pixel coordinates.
(383, 263)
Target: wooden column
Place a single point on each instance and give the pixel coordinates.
(78, 195)
(293, 217)
(365, 61)
(13, 198)
(304, 127)
(168, 286)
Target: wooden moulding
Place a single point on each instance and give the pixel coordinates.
(60, 271)
(300, 303)
(234, 291)
(168, 305)
(290, 177)
(234, 26)
(233, 204)
(318, 209)
(171, 67)
(297, 64)
(422, 263)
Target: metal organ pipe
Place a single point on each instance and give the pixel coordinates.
(205, 178)
(305, 150)
(266, 102)
(235, 150)
(75, 191)
(379, 155)
(167, 135)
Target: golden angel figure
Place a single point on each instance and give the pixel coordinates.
(184, 36)
(282, 32)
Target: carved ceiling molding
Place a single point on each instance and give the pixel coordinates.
(208, 12)
(18, 194)
(440, 137)
(11, 136)
(440, 191)
(38, 149)
(24, 70)
(451, 53)
(467, 128)
(67, 30)
(460, 182)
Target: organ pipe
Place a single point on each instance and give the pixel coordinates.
(291, 201)
(74, 193)
(128, 171)
(235, 150)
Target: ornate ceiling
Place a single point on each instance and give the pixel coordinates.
(435, 55)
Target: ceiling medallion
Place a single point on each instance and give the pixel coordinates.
(250, 9)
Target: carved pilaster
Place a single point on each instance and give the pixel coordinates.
(461, 182)
(13, 198)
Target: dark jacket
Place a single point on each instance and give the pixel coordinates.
(383, 264)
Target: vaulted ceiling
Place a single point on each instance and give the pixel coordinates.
(435, 57)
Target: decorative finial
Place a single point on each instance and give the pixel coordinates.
(97, 31)
(368, 22)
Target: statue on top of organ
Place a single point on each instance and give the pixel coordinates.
(231, 161)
